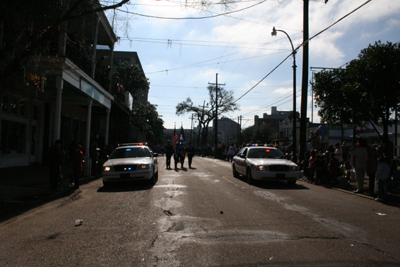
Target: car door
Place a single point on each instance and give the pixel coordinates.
(241, 161)
(154, 160)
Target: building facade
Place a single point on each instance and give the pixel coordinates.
(71, 100)
(74, 98)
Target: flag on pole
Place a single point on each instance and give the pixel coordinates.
(174, 139)
(182, 137)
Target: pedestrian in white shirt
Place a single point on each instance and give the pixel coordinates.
(360, 153)
(339, 153)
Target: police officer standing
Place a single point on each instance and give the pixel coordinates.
(168, 153)
(176, 158)
(190, 153)
(181, 154)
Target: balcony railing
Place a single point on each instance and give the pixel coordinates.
(80, 54)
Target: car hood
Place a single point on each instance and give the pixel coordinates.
(127, 161)
(271, 162)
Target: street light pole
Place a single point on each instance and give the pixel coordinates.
(273, 33)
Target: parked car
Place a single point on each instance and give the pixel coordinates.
(264, 164)
(131, 162)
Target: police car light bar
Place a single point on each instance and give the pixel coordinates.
(133, 144)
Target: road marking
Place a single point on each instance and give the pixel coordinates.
(170, 185)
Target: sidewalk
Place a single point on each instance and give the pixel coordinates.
(24, 188)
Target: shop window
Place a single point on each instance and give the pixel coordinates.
(13, 135)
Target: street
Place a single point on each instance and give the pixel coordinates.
(204, 217)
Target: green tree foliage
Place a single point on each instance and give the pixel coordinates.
(377, 75)
(262, 133)
(148, 121)
(132, 78)
(28, 30)
(367, 90)
(338, 98)
(205, 115)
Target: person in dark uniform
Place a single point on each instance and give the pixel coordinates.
(55, 160)
(176, 158)
(181, 154)
(190, 153)
(168, 153)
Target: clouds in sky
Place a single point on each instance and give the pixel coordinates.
(240, 48)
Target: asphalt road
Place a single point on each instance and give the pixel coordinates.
(204, 217)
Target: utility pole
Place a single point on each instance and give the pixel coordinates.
(304, 84)
(216, 111)
(240, 131)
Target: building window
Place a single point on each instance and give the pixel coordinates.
(13, 135)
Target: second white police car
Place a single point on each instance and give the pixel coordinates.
(264, 164)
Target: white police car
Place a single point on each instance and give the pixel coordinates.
(131, 162)
(264, 163)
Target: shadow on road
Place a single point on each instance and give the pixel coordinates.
(274, 184)
(279, 185)
(126, 187)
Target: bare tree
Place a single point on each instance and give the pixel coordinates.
(205, 115)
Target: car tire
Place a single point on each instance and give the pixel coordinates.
(291, 182)
(235, 173)
(154, 179)
(249, 177)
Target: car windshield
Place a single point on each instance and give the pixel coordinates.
(265, 153)
(130, 152)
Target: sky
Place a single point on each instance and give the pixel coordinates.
(182, 48)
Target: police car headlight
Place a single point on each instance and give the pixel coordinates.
(144, 166)
(107, 168)
(295, 168)
(260, 168)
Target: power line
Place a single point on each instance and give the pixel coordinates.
(191, 18)
(170, 42)
(300, 47)
(195, 65)
(263, 78)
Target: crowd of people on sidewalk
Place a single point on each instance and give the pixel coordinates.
(339, 164)
(66, 166)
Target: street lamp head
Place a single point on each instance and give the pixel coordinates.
(273, 33)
